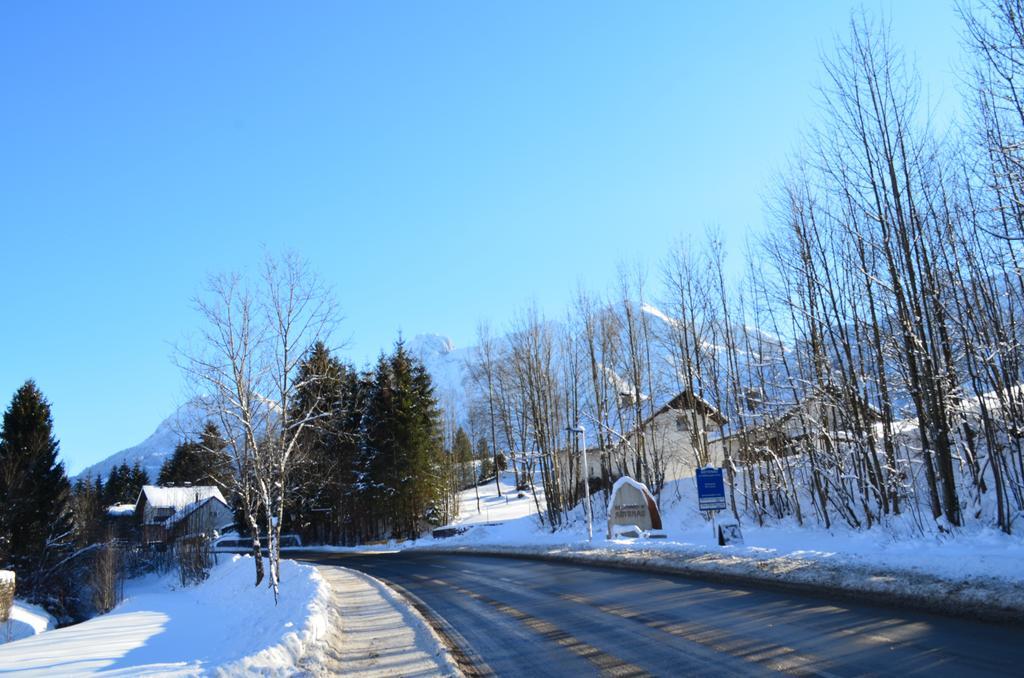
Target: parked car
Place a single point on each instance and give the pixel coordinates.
(236, 543)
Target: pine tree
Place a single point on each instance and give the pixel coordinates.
(399, 466)
(323, 476)
(117, 488)
(198, 462)
(462, 450)
(88, 510)
(35, 518)
(137, 478)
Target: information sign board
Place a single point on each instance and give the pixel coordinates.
(710, 489)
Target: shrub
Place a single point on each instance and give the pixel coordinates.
(7, 582)
(105, 578)
(193, 556)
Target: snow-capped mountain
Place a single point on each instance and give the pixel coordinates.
(448, 366)
(185, 422)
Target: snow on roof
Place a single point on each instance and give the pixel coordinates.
(179, 497)
(121, 510)
(189, 509)
(6, 577)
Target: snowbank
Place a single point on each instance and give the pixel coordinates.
(26, 620)
(223, 626)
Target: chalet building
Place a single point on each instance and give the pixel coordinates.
(671, 435)
(207, 517)
(823, 417)
(121, 523)
(156, 505)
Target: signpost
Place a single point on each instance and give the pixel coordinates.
(711, 497)
(710, 489)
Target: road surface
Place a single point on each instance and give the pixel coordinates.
(521, 617)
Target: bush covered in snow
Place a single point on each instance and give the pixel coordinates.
(7, 584)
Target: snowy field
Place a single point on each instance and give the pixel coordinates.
(971, 566)
(161, 629)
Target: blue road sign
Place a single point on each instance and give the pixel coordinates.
(710, 489)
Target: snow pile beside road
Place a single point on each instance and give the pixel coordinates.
(223, 626)
(26, 620)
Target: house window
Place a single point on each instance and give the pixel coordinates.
(682, 424)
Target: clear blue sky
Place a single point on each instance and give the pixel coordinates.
(439, 162)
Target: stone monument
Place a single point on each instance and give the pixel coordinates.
(632, 504)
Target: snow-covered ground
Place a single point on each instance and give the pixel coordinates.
(26, 620)
(374, 631)
(980, 565)
(222, 625)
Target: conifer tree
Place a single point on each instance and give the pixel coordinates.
(402, 445)
(322, 476)
(117, 489)
(462, 450)
(35, 518)
(88, 510)
(137, 478)
(199, 462)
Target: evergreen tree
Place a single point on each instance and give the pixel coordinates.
(323, 476)
(137, 478)
(462, 450)
(199, 462)
(115, 490)
(89, 511)
(35, 517)
(402, 444)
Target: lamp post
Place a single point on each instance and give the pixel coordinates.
(579, 430)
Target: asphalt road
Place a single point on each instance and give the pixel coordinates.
(519, 617)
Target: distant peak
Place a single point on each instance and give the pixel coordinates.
(431, 344)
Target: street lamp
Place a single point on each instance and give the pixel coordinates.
(579, 430)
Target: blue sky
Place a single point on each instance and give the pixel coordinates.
(439, 163)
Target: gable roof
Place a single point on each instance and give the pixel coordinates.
(688, 400)
(770, 419)
(189, 509)
(178, 498)
(119, 510)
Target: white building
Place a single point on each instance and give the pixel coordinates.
(670, 439)
(156, 505)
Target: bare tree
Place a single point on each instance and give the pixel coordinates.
(245, 370)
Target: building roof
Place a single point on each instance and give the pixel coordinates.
(772, 417)
(120, 510)
(178, 497)
(187, 510)
(688, 400)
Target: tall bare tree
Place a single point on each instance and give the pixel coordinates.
(245, 370)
